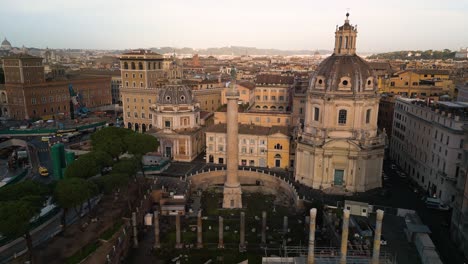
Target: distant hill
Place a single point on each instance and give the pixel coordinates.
(415, 55)
(237, 51)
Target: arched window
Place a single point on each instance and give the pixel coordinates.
(265, 107)
(125, 65)
(278, 146)
(140, 66)
(368, 116)
(133, 65)
(277, 156)
(273, 107)
(257, 106)
(342, 115)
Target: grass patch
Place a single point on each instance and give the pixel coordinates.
(106, 235)
(83, 253)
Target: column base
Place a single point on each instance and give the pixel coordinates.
(232, 197)
(180, 245)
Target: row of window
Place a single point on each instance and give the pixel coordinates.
(342, 116)
(52, 99)
(150, 65)
(272, 98)
(135, 100)
(143, 115)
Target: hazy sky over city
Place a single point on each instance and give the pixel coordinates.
(279, 24)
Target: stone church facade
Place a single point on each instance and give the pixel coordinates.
(340, 146)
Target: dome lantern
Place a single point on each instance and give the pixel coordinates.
(345, 38)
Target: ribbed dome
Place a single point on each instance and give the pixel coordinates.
(344, 73)
(5, 44)
(174, 95)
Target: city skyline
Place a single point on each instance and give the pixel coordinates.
(299, 25)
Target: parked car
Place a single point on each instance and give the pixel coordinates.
(435, 203)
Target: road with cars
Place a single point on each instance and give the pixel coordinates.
(398, 192)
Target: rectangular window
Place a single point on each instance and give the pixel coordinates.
(128, 114)
(142, 115)
(211, 138)
(273, 98)
(220, 148)
(135, 114)
(342, 117)
(316, 114)
(210, 147)
(167, 123)
(243, 150)
(368, 115)
(150, 116)
(281, 98)
(33, 100)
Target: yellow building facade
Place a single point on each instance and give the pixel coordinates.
(266, 147)
(265, 119)
(418, 83)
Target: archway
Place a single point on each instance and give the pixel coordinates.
(137, 127)
(143, 128)
(129, 126)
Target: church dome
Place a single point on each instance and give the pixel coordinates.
(344, 73)
(175, 95)
(6, 44)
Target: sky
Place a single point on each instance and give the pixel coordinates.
(278, 24)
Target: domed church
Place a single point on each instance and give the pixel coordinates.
(340, 148)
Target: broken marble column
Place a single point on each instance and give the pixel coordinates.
(157, 243)
(311, 251)
(344, 236)
(378, 233)
(242, 232)
(220, 233)
(264, 215)
(285, 225)
(178, 242)
(199, 230)
(135, 231)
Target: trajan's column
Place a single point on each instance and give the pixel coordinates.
(232, 188)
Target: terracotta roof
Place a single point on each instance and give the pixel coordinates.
(246, 84)
(429, 71)
(250, 129)
(21, 56)
(274, 79)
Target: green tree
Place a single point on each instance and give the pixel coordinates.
(110, 140)
(20, 203)
(139, 145)
(110, 182)
(88, 165)
(71, 193)
(128, 166)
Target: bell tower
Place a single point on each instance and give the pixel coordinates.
(345, 38)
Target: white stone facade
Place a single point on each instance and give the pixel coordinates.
(427, 143)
